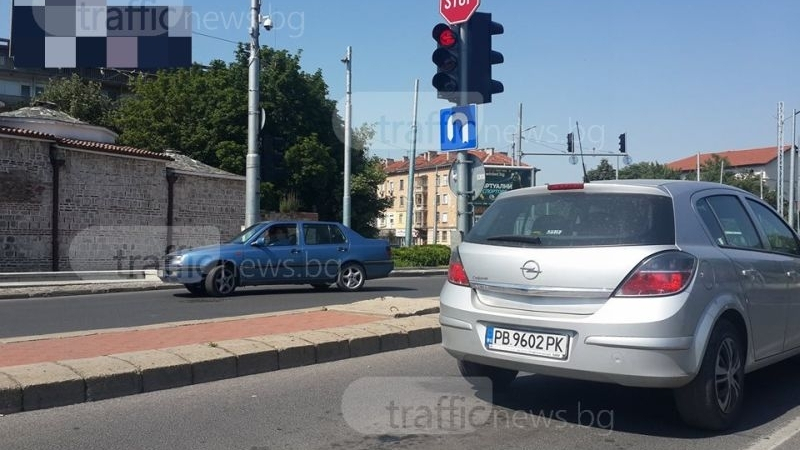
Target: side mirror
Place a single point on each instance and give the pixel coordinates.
(260, 242)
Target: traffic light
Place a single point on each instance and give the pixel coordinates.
(622, 143)
(447, 58)
(481, 58)
(570, 143)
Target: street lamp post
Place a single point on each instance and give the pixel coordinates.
(253, 163)
(348, 133)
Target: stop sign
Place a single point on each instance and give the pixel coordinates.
(458, 11)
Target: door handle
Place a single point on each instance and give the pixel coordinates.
(295, 251)
(342, 249)
(749, 273)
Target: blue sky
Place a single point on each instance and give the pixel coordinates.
(678, 77)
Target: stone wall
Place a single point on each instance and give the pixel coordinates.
(113, 209)
(25, 205)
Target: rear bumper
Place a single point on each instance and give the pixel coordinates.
(378, 269)
(620, 353)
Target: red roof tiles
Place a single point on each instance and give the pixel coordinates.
(736, 158)
(432, 159)
(85, 145)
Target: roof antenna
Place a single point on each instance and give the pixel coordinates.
(583, 161)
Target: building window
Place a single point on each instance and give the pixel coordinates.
(400, 219)
(444, 217)
(445, 199)
(391, 220)
(401, 184)
(25, 90)
(444, 236)
(402, 200)
(391, 187)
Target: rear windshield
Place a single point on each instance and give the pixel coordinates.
(573, 219)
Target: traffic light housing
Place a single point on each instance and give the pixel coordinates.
(482, 57)
(570, 143)
(622, 143)
(447, 58)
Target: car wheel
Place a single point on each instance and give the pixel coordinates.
(221, 281)
(713, 400)
(196, 288)
(320, 286)
(499, 376)
(351, 277)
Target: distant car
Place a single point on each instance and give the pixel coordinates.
(286, 252)
(650, 283)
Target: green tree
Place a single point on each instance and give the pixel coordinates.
(648, 171)
(79, 98)
(202, 112)
(604, 171)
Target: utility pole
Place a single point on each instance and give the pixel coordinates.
(411, 163)
(463, 169)
(348, 110)
(792, 169)
(436, 205)
(780, 159)
(253, 163)
(517, 157)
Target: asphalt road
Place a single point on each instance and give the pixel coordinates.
(38, 316)
(333, 406)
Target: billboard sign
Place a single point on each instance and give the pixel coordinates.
(501, 179)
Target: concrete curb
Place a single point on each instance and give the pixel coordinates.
(46, 385)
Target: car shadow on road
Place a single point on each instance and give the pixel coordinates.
(770, 393)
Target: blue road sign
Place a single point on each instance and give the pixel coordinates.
(459, 128)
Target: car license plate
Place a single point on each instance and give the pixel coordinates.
(527, 342)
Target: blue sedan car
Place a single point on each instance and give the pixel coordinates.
(286, 252)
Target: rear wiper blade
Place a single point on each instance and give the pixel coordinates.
(516, 238)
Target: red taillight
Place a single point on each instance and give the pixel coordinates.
(564, 186)
(664, 274)
(455, 272)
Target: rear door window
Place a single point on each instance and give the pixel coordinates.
(574, 219)
(779, 235)
(728, 216)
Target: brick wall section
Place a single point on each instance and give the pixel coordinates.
(204, 202)
(113, 209)
(25, 205)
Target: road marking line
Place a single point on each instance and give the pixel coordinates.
(778, 437)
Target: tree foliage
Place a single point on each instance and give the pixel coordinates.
(648, 170)
(82, 99)
(603, 171)
(202, 112)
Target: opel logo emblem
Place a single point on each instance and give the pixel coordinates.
(531, 270)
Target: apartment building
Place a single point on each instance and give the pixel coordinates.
(434, 209)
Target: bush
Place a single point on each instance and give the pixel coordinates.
(421, 256)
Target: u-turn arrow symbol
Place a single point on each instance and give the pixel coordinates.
(451, 127)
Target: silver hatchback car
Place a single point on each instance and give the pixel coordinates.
(650, 283)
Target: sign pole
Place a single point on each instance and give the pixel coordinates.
(464, 215)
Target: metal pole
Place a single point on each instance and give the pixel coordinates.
(616, 170)
(463, 170)
(411, 163)
(436, 205)
(518, 150)
(780, 187)
(792, 181)
(698, 166)
(348, 110)
(253, 163)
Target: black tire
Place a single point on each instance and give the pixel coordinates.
(221, 281)
(320, 286)
(499, 376)
(351, 277)
(714, 401)
(196, 289)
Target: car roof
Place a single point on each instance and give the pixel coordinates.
(673, 188)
